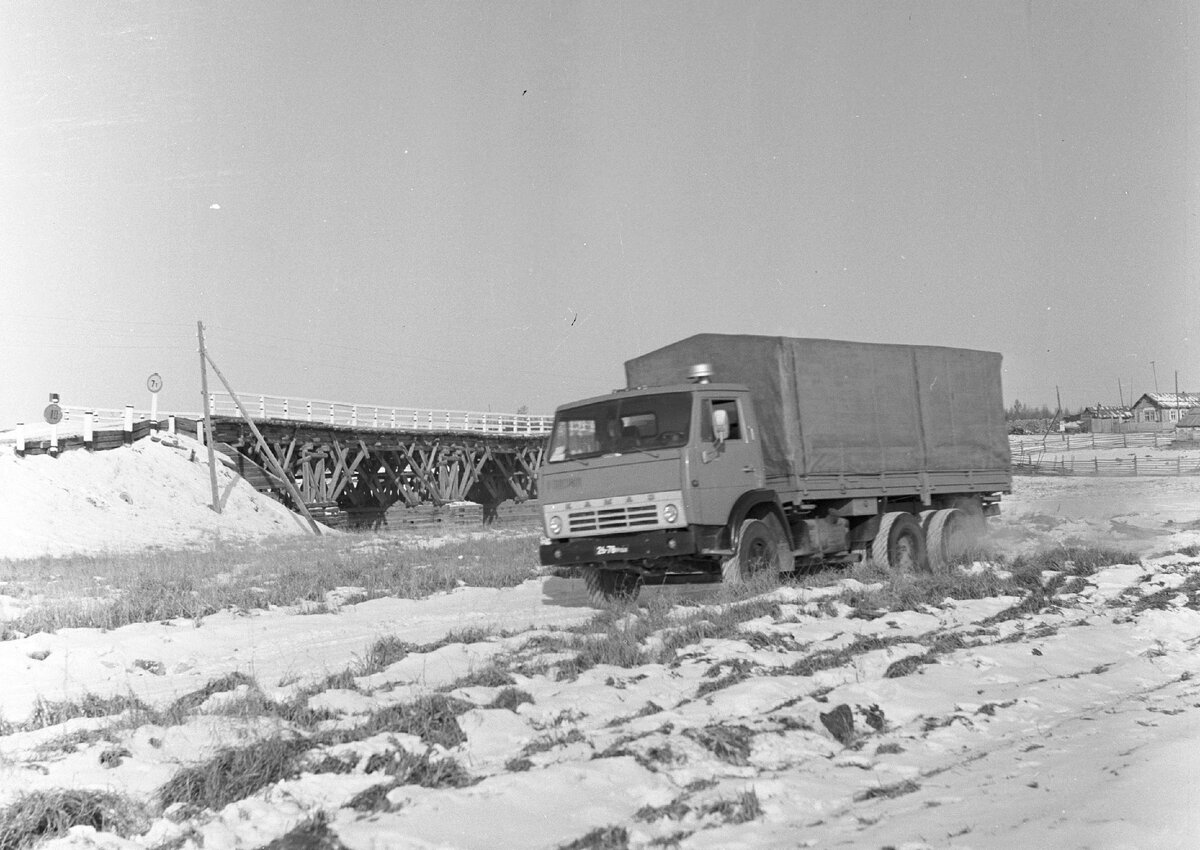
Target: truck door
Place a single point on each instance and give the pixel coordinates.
(724, 471)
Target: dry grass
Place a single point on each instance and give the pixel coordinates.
(235, 773)
(40, 815)
(112, 590)
(653, 633)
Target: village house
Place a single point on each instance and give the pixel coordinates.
(1188, 426)
(1104, 418)
(1162, 408)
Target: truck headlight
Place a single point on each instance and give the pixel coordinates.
(555, 525)
(670, 514)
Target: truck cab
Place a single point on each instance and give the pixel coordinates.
(643, 482)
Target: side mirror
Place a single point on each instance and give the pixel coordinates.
(720, 426)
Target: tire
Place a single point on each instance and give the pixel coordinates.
(947, 536)
(604, 587)
(899, 545)
(760, 546)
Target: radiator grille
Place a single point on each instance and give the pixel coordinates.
(612, 518)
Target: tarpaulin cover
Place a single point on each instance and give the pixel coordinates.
(833, 407)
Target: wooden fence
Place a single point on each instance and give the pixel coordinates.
(1130, 466)
(1021, 444)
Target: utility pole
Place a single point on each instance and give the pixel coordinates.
(208, 429)
(1155, 371)
(1120, 392)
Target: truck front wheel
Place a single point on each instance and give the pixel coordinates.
(899, 546)
(760, 546)
(607, 586)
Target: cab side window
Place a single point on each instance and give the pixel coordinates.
(730, 406)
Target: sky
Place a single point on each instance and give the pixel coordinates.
(487, 206)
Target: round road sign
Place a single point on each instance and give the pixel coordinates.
(154, 382)
(53, 414)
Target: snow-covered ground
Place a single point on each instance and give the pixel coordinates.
(156, 492)
(812, 725)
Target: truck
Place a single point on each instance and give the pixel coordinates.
(726, 455)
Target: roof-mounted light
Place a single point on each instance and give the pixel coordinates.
(700, 373)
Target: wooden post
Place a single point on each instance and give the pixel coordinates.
(127, 425)
(54, 440)
(279, 471)
(208, 430)
(171, 424)
(21, 439)
(88, 425)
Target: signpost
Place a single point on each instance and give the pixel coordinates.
(54, 415)
(154, 383)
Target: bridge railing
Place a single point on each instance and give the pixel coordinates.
(77, 420)
(354, 415)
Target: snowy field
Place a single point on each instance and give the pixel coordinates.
(515, 718)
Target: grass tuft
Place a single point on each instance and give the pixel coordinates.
(897, 789)
(743, 808)
(39, 815)
(46, 713)
(314, 834)
(601, 838)
(235, 773)
(433, 718)
(731, 744)
(510, 698)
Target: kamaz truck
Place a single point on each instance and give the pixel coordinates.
(729, 454)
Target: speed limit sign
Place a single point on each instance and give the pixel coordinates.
(53, 414)
(154, 382)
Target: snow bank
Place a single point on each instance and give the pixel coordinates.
(156, 492)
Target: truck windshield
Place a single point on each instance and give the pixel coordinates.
(621, 424)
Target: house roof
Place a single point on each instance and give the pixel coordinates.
(1165, 401)
(1106, 411)
(1191, 419)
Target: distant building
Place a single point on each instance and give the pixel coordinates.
(1188, 426)
(1104, 418)
(1164, 407)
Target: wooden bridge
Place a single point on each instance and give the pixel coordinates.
(350, 462)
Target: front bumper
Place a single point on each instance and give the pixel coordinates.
(622, 547)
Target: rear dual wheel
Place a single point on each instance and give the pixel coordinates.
(948, 535)
(932, 541)
(899, 545)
